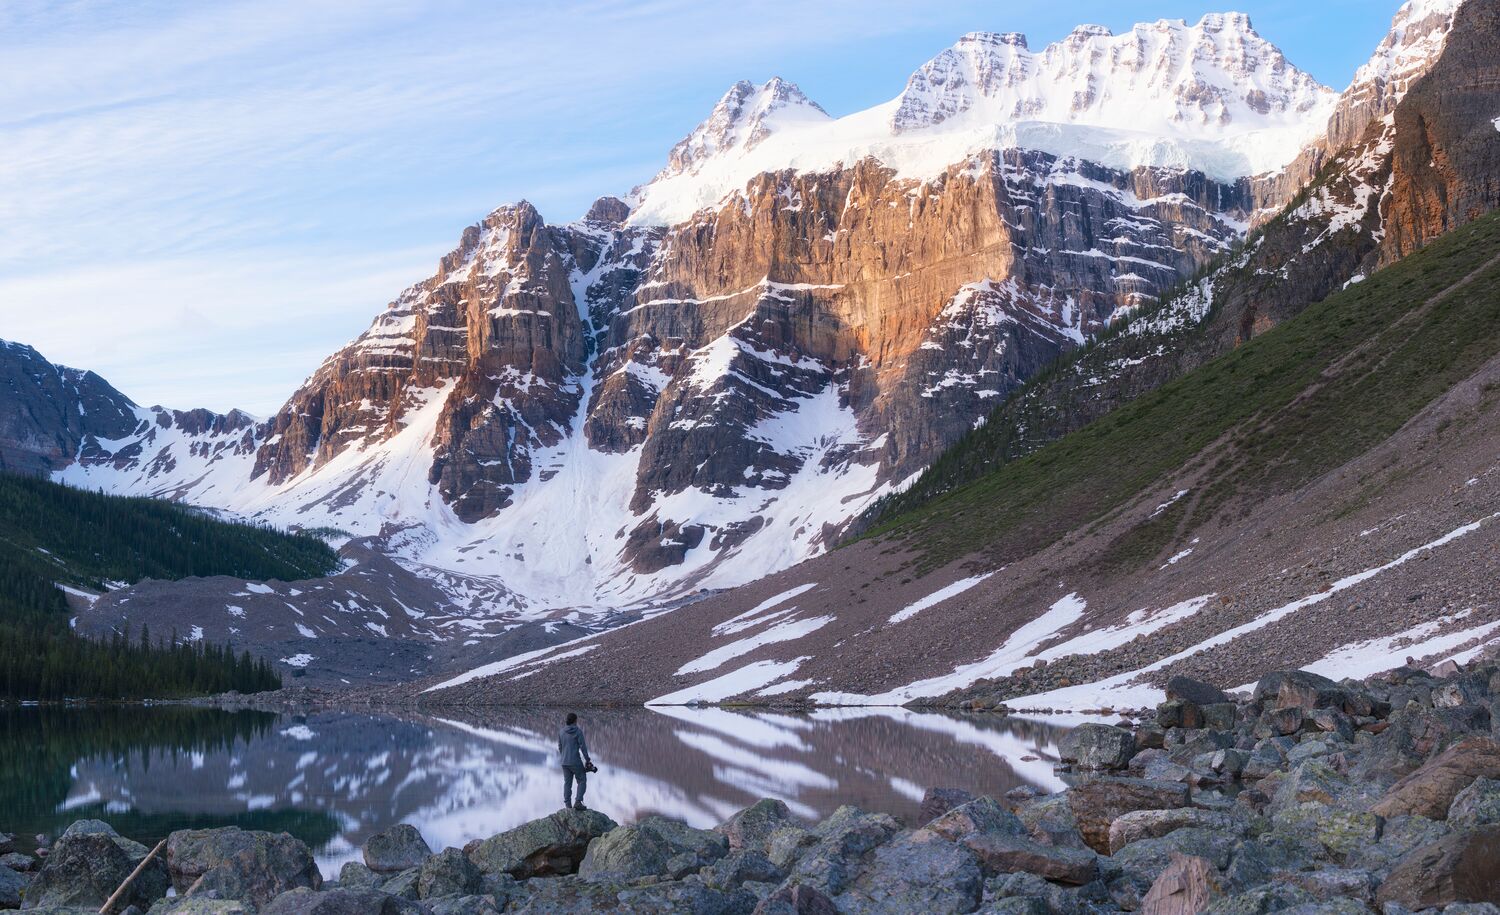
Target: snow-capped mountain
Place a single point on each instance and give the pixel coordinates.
(704, 384)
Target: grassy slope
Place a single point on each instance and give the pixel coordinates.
(1292, 404)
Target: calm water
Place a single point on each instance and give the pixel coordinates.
(335, 778)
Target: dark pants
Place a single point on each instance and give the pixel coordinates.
(570, 773)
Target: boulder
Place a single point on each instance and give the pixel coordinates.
(625, 853)
(1153, 824)
(1004, 854)
(1098, 802)
(7, 843)
(842, 841)
(654, 846)
(752, 827)
(787, 844)
(1097, 746)
(582, 897)
(547, 847)
(403, 884)
(356, 876)
(1299, 689)
(84, 869)
(1476, 805)
(1462, 867)
(938, 801)
(919, 872)
(1148, 858)
(982, 815)
(447, 873)
(11, 885)
(1430, 790)
(1178, 713)
(396, 849)
(796, 899)
(1186, 887)
(17, 861)
(201, 905)
(1338, 832)
(1195, 691)
(1050, 821)
(232, 863)
(307, 901)
(741, 866)
(462, 905)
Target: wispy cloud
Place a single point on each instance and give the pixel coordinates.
(201, 200)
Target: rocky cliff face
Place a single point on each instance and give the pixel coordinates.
(1425, 164)
(704, 383)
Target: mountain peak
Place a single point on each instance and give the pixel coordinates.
(744, 117)
(1214, 77)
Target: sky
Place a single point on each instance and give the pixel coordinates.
(202, 200)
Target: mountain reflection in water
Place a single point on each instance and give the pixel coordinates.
(335, 778)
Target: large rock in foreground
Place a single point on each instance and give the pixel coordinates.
(1463, 867)
(655, 845)
(1430, 790)
(1097, 803)
(306, 901)
(551, 846)
(232, 863)
(85, 867)
(396, 849)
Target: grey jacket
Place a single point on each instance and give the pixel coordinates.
(571, 747)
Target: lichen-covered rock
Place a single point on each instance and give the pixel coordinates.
(17, 861)
(570, 896)
(655, 845)
(356, 876)
(842, 842)
(1338, 831)
(11, 885)
(745, 865)
(752, 827)
(307, 901)
(919, 872)
(547, 847)
(787, 843)
(1476, 805)
(202, 905)
(1097, 746)
(232, 863)
(462, 905)
(396, 849)
(84, 868)
(984, 816)
(447, 873)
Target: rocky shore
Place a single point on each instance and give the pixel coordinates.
(1309, 796)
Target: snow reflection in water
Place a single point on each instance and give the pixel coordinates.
(462, 777)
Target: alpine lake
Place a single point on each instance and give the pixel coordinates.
(334, 778)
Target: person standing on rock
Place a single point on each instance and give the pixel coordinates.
(573, 751)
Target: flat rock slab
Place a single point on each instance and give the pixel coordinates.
(552, 846)
(1430, 790)
(1098, 802)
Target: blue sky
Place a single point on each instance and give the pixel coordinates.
(202, 200)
